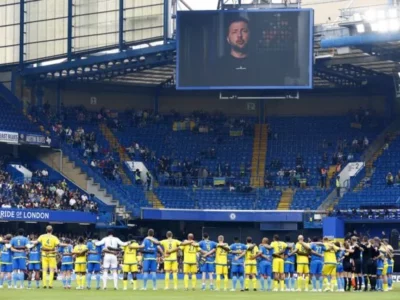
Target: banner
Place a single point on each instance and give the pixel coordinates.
(34, 139)
(38, 215)
(9, 137)
(236, 132)
(219, 181)
(222, 215)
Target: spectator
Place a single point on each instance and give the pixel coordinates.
(397, 179)
(337, 186)
(389, 179)
(365, 142)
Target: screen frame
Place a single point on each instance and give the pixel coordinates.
(311, 52)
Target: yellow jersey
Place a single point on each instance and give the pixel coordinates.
(330, 254)
(221, 255)
(302, 254)
(190, 253)
(168, 245)
(80, 259)
(278, 247)
(49, 242)
(130, 254)
(249, 254)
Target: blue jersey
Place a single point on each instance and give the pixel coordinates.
(6, 254)
(238, 247)
(149, 250)
(292, 258)
(19, 242)
(268, 253)
(64, 251)
(207, 246)
(339, 256)
(34, 254)
(92, 257)
(320, 249)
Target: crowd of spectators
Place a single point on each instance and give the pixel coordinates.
(40, 193)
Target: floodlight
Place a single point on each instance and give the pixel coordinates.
(394, 25)
(357, 17)
(383, 26)
(360, 28)
(276, 1)
(370, 15)
(392, 13)
(381, 14)
(375, 27)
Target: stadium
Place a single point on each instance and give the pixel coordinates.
(202, 147)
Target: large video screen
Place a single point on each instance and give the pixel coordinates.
(258, 49)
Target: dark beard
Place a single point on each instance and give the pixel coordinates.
(240, 50)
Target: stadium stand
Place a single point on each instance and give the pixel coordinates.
(169, 146)
(378, 192)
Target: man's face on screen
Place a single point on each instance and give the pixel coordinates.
(239, 36)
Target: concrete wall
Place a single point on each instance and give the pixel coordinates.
(310, 103)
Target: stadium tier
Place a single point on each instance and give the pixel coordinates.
(211, 151)
(13, 120)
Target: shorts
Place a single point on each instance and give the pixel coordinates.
(149, 265)
(357, 266)
(339, 268)
(316, 267)
(278, 266)
(329, 270)
(34, 267)
(6, 268)
(171, 265)
(130, 268)
(189, 268)
(93, 267)
(66, 267)
(237, 269)
(19, 264)
(347, 267)
(265, 269)
(303, 269)
(221, 269)
(110, 262)
(49, 263)
(379, 272)
(250, 269)
(288, 268)
(80, 267)
(208, 268)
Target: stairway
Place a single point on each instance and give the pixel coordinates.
(286, 199)
(154, 200)
(259, 155)
(123, 156)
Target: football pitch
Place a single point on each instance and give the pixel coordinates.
(58, 293)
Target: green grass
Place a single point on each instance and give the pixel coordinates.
(58, 293)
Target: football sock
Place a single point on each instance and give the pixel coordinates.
(175, 277)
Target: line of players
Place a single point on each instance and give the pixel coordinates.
(328, 263)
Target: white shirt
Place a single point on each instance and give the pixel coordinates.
(112, 242)
(72, 202)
